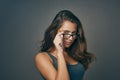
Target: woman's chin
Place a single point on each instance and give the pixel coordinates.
(67, 46)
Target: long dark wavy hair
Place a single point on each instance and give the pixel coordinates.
(78, 50)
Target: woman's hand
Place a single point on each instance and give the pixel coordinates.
(58, 42)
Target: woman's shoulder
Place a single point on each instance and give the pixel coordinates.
(40, 54)
(41, 57)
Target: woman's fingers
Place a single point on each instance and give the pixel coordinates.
(58, 41)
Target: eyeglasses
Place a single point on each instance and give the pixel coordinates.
(67, 36)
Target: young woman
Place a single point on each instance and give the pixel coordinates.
(63, 54)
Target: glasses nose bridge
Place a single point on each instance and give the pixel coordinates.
(71, 35)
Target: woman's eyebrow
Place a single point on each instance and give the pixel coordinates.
(66, 31)
(69, 31)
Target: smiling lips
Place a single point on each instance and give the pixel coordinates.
(68, 43)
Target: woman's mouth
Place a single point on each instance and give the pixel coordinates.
(68, 43)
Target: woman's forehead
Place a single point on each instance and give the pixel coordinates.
(68, 26)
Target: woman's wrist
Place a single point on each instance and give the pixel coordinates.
(60, 53)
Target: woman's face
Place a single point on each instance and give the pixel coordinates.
(69, 30)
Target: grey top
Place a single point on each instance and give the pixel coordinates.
(76, 72)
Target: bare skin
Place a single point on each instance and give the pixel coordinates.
(45, 64)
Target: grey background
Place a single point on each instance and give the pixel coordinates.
(22, 24)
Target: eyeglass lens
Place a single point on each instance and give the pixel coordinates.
(69, 35)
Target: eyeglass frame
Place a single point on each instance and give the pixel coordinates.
(69, 35)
